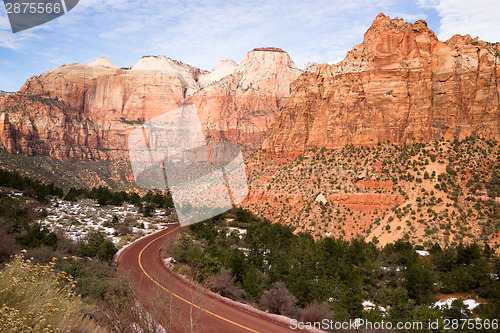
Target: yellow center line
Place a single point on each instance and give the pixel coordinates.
(179, 297)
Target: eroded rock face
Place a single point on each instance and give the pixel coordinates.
(225, 68)
(187, 75)
(4, 93)
(87, 111)
(241, 106)
(84, 111)
(401, 85)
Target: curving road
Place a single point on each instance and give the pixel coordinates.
(178, 305)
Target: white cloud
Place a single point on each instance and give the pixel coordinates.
(4, 22)
(315, 31)
(407, 17)
(17, 42)
(202, 32)
(477, 18)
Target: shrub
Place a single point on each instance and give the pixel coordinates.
(279, 300)
(123, 229)
(147, 210)
(99, 282)
(450, 170)
(97, 246)
(35, 299)
(315, 312)
(457, 310)
(37, 236)
(8, 247)
(224, 284)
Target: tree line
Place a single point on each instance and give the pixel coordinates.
(102, 194)
(297, 275)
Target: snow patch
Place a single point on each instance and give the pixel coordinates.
(77, 219)
(470, 303)
(238, 230)
(370, 306)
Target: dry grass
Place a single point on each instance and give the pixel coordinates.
(36, 299)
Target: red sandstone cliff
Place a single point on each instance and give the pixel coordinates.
(83, 111)
(241, 106)
(401, 85)
(87, 111)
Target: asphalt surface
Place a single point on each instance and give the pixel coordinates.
(178, 305)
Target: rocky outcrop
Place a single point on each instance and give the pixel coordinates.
(87, 111)
(401, 85)
(366, 201)
(84, 111)
(187, 75)
(225, 68)
(102, 62)
(4, 93)
(241, 106)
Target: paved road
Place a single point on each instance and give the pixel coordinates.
(179, 305)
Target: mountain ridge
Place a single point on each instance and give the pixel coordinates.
(86, 111)
(399, 89)
(401, 85)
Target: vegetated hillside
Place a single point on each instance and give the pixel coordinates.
(77, 228)
(33, 214)
(444, 192)
(265, 264)
(70, 172)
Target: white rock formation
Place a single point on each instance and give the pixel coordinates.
(225, 68)
(171, 67)
(102, 62)
(262, 68)
(321, 199)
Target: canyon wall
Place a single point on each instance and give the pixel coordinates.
(400, 85)
(87, 111)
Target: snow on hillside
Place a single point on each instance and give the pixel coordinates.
(77, 219)
(470, 303)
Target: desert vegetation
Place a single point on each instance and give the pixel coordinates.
(443, 191)
(246, 258)
(35, 298)
(50, 282)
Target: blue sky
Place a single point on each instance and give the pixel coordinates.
(201, 33)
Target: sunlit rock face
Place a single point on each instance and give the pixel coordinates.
(401, 85)
(241, 106)
(87, 111)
